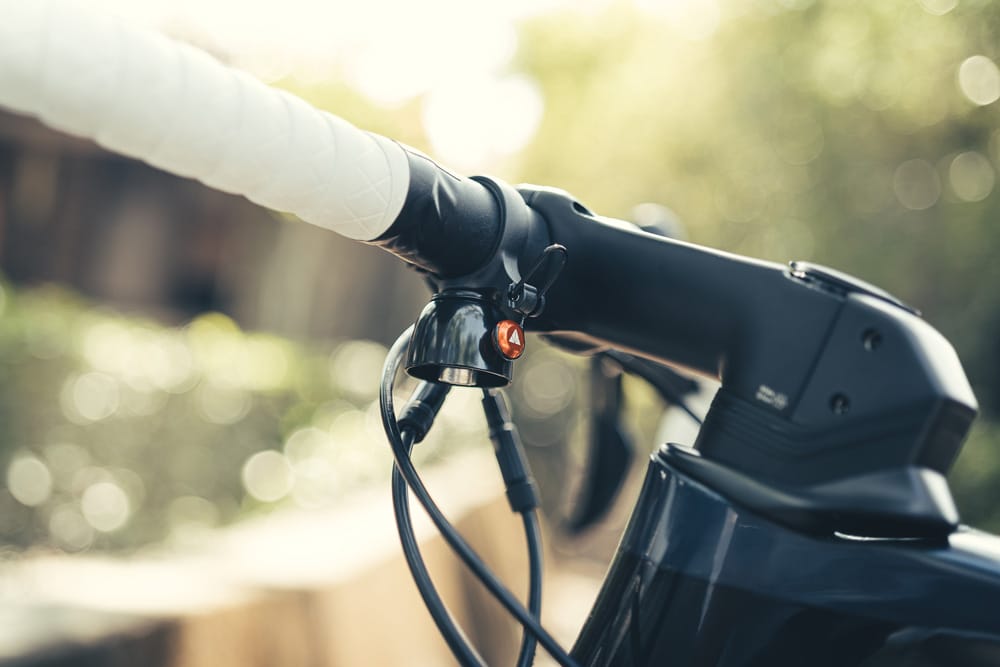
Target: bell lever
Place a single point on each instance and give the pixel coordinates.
(525, 298)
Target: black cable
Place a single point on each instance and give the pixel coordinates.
(671, 385)
(682, 404)
(414, 423)
(533, 536)
(522, 495)
(451, 536)
(459, 644)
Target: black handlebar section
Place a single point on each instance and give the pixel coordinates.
(702, 309)
(840, 408)
(449, 225)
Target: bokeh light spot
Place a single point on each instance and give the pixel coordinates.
(548, 387)
(223, 405)
(971, 176)
(29, 480)
(267, 476)
(938, 7)
(86, 477)
(90, 397)
(69, 529)
(105, 506)
(979, 79)
(103, 345)
(356, 367)
(916, 184)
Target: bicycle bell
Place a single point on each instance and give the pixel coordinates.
(462, 338)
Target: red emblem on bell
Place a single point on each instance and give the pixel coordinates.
(509, 338)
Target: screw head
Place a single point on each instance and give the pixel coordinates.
(871, 339)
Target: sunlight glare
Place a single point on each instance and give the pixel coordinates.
(693, 19)
(471, 126)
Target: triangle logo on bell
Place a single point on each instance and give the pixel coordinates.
(509, 339)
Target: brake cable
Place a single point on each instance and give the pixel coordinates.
(519, 494)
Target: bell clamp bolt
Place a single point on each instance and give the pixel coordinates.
(508, 337)
(527, 299)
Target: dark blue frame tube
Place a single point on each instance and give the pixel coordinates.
(699, 581)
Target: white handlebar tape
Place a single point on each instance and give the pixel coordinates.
(171, 105)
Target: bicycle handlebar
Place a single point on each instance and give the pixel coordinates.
(140, 94)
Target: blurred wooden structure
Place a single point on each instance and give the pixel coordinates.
(292, 588)
(125, 233)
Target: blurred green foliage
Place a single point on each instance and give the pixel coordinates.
(118, 432)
